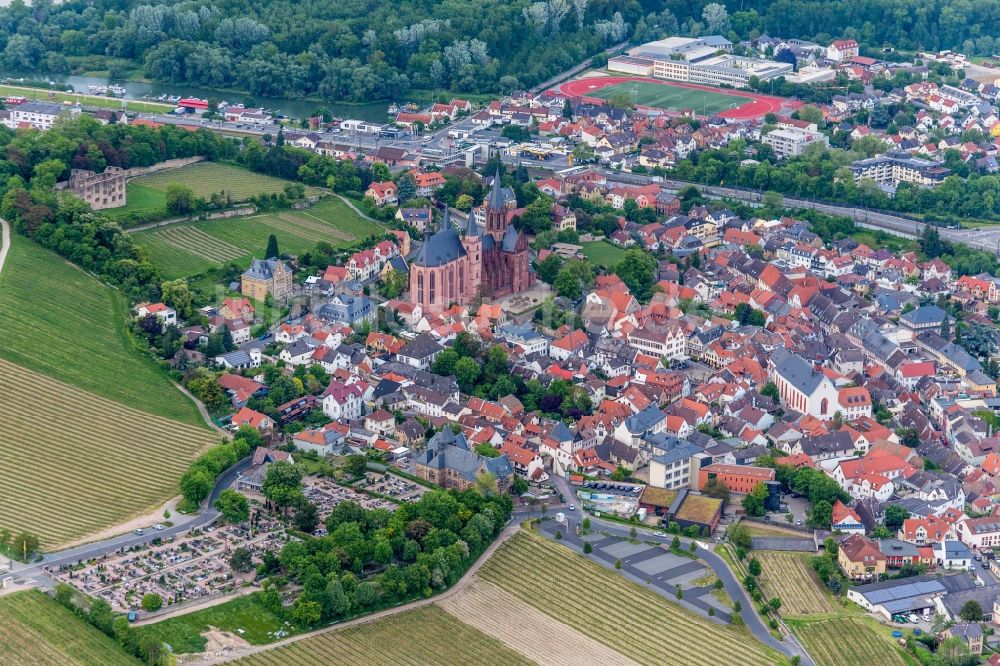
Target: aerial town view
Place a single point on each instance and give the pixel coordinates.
(550, 332)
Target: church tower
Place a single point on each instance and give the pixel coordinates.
(472, 241)
(496, 212)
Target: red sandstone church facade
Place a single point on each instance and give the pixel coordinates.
(454, 267)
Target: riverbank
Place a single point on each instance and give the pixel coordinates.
(114, 103)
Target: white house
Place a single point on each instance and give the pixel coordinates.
(801, 387)
(342, 401)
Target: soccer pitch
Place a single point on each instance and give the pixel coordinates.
(663, 96)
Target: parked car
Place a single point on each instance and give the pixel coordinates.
(914, 618)
(138, 531)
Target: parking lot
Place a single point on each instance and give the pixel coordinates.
(187, 568)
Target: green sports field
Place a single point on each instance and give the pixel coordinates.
(183, 250)
(671, 97)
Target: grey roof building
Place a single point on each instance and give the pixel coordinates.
(794, 369)
(449, 462)
(346, 309)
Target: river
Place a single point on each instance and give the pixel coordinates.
(294, 108)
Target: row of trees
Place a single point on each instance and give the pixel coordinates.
(141, 645)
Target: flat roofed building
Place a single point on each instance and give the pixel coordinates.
(894, 168)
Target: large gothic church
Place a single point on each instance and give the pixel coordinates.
(454, 267)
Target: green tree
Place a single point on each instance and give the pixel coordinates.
(180, 199)
(820, 515)
(233, 506)
(738, 535)
(894, 517)
(196, 484)
(548, 268)
(486, 484)
(176, 294)
(771, 390)
(283, 484)
(971, 611)
(272, 248)
(241, 560)
(306, 517)
(466, 373)
(151, 602)
(445, 362)
(25, 545)
(754, 567)
(637, 270)
(587, 548)
(380, 172)
(753, 503)
(714, 487)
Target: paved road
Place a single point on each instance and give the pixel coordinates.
(182, 524)
(5, 241)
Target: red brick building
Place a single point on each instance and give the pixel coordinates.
(460, 268)
(738, 478)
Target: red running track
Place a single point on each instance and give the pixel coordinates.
(757, 107)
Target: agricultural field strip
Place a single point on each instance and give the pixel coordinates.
(76, 336)
(41, 496)
(199, 243)
(786, 576)
(525, 629)
(297, 220)
(846, 642)
(518, 567)
(36, 630)
(426, 635)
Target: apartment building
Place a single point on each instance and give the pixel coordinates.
(894, 168)
(793, 142)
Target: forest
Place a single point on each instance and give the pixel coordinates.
(376, 49)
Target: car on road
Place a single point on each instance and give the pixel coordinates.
(798, 522)
(572, 507)
(158, 527)
(662, 535)
(138, 531)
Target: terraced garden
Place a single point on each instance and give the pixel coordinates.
(789, 577)
(190, 248)
(425, 636)
(611, 610)
(75, 463)
(36, 631)
(846, 641)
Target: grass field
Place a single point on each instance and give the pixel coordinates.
(183, 633)
(671, 97)
(603, 253)
(36, 631)
(143, 201)
(190, 248)
(789, 577)
(846, 641)
(207, 178)
(598, 603)
(425, 636)
(59, 321)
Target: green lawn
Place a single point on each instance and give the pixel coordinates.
(34, 630)
(207, 178)
(187, 249)
(57, 320)
(603, 253)
(143, 202)
(665, 96)
(183, 632)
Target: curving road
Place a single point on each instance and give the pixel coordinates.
(789, 647)
(182, 523)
